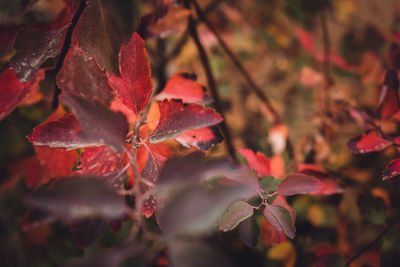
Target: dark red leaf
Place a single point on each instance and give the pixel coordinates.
(258, 161)
(135, 85)
(391, 170)
(13, 92)
(83, 77)
(298, 184)
(34, 46)
(59, 133)
(177, 117)
(389, 100)
(110, 130)
(77, 198)
(270, 236)
(95, 35)
(370, 141)
(280, 219)
(184, 86)
(393, 56)
(7, 38)
(203, 138)
(99, 161)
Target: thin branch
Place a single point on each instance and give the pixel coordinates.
(65, 48)
(256, 89)
(373, 243)
(327, 51)
(213, 86)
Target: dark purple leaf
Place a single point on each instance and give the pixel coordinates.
(280, 219)
(83, 77)
(100, 126)
(196, 210)
(34, 46)
(76, 198)
(298, 184)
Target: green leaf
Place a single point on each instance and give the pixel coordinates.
(269, 183)
(236, 213)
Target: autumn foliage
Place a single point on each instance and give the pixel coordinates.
(119, 159)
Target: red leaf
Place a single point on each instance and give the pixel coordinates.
(99, 161)
(59, 133)
(135, 85)
(184, 86)
(110, 130)
(13, 92)
(329, 184)
(177, 117)
(203, 138)
(83, 77)
(389, 100)
(298, 184)
(34, 172)
(370, 141)
(258, 161)
(391, 170)
(280, 219)
(56, 161)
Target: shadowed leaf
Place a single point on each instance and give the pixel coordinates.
(77, 198)
(235, 214)
(202, 139)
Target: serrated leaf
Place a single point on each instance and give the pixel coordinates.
(280, 219)
(370, 141)
(391, 170)
(83, 77)
(196, 209)
(59, 133)
(202, 139)
(99, 161)
(258, 162)
(389, 99)
(298, 184)
(13, 92)
(76, 198)
(177, 118)
(183, 86)
(110, 130)
(134, 87)
(235, 214)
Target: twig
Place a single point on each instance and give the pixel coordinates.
(256, 89)
(213, 86)
(65, 48)
(373, 243)
(327, 51)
